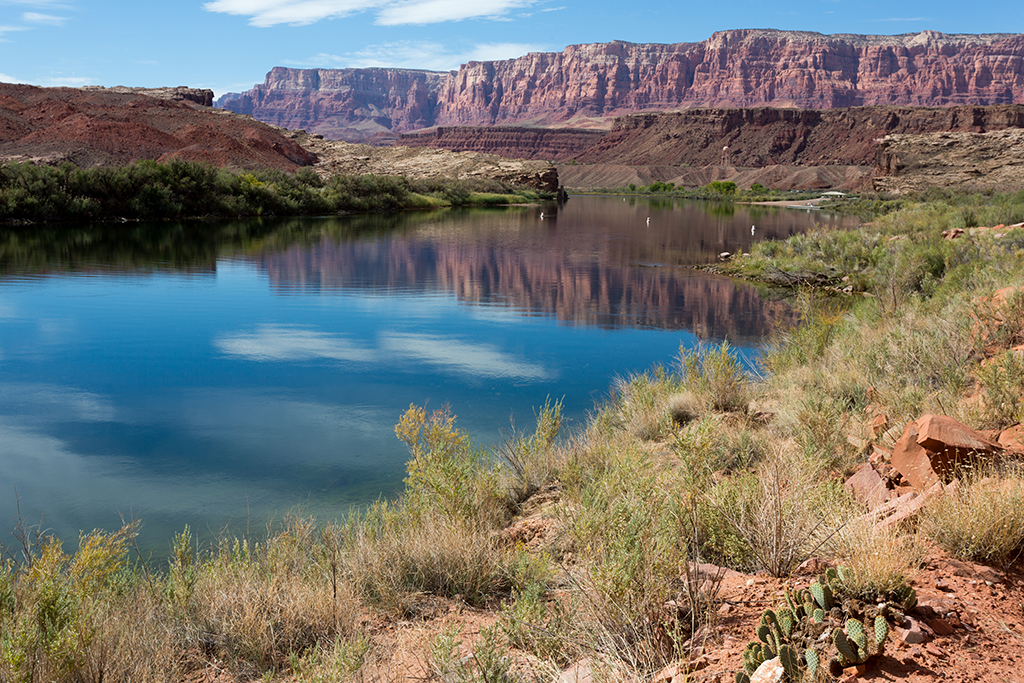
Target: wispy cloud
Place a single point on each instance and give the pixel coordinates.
(437, 11)
(43, 19)
(4, 78)
(282, 343)
(389, 12)
(417, 55)
(899, 19)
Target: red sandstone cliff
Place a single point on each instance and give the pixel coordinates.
(585, 84)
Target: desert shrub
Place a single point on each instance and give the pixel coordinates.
(1002, 379)
(716, 375)
(982, 519)
(638, 406)
(254, 604)
(779, 518)
(395, 557)
(446, 474)
(532, 460)
(880, 559)
(81, 617)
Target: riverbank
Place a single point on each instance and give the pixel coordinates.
(183, 189)
(581, 552)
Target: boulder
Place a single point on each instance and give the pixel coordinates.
(867, 486)
(1012, 439)
(934, 447)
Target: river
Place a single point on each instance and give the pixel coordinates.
(220, 374)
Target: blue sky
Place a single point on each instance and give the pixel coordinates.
(229, 45)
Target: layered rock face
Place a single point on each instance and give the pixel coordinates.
(507, 141)
(342, 104)
(971, 162)
(765, 136)
(585, 84)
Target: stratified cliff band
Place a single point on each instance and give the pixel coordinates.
(584, 85)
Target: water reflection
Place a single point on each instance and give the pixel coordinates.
(210, 372)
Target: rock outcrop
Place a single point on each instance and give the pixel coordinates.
(182, 93)
(971, 162)
(585, 85)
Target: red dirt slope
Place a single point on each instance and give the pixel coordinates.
(104, 128)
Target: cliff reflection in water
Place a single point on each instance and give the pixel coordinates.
(596, 262)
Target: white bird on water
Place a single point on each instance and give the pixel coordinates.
(648, 220)
(751, 230)
(542, 216)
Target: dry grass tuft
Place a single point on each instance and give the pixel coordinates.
(982, 520)
(881, 560)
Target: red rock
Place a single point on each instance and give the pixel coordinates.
(906, 509)
(933, 447)
(1012, 439)
(941, 627)
(913, 635)
(879, 455)
(878, 425)
(867, 487)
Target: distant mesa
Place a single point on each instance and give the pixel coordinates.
(586, 86)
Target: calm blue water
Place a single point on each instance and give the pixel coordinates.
(225, 373)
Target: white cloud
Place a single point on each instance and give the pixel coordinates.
(55, 403)
(477, 360)
(46, 19)
(294, 12)
(389, 12)
(437, 11)
(283, 343)
(418, 55)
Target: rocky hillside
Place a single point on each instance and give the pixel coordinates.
(101, 127)
(584, 85)
(336, 157)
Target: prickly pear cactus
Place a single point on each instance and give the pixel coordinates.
(822, 623)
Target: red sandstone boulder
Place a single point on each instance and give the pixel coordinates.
(867, 486)
(1012, 439)
(934, 447)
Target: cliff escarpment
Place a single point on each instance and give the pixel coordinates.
(765, 136)
(585, 85)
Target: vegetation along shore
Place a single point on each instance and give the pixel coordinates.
(698, 511)
(188, 189)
